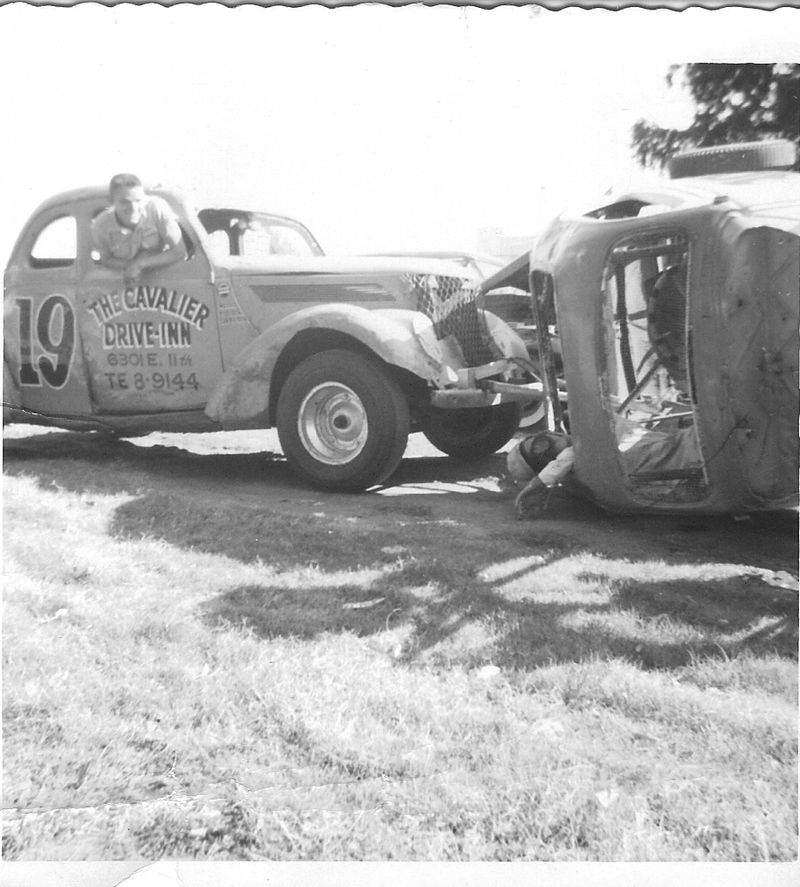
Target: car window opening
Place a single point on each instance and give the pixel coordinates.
(648, 376)
(55, 245)
(623, 209)
(188, 243)
(256, 235)
(630, 208)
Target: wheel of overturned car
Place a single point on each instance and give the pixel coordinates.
(472, 433)
(343, 422)
(744, 157)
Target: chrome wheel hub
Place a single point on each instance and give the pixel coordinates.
(332, 423)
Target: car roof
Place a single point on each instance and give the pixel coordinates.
(96, 192)
(74, 195)
(769, 195)
(100, 192)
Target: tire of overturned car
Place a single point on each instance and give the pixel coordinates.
(744, 157)
(343, 422)
(472, 433)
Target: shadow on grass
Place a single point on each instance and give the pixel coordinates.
(625, 628)
(661, 625)
(439, 587)
(102, 463)
(252, 533)
(278, 612)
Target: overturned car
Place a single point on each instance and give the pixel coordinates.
(676, 309)
(256, 328)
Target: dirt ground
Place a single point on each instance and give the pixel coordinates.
(248, 468)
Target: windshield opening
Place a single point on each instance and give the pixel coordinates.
(256, 235)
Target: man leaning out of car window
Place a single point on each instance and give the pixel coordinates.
(138, 231)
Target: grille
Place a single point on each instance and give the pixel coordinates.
(455, 310)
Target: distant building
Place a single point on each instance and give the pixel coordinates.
(492, 242)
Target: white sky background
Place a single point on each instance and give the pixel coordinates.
(380, 128)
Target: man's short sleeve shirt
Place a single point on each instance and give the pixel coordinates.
(556, 471)
(157, 229)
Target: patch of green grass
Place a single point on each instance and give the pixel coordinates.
(235, 685)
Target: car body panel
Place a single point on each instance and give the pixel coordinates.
(742, 335)
(150, 348)
(201, 338)
(244, 391)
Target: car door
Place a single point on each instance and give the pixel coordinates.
(41, 341)
(153, 346)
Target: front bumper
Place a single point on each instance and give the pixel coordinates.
(479, 387)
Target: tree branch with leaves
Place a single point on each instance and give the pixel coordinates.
(733, 103)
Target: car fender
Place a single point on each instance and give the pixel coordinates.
(400, 337)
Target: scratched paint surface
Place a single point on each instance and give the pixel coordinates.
(150, 348)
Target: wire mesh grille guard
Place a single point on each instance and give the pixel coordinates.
(454, 309)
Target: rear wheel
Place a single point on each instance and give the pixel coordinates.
(343, 422)
(472, 433)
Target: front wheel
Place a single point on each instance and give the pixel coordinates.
(343, 422)
(472, 433)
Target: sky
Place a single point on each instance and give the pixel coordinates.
(381, 128)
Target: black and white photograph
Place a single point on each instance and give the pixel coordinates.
(400, 444)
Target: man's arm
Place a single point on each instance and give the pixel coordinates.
(534, 495)
(176, 253)
(172, 239)
(109, 261)
(556, 471)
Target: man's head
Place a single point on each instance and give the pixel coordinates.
(531, 455)
(128, 198)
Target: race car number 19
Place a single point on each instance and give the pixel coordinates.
(54, 363)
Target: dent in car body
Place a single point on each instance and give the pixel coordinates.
(401, 338)
(195, 343)
(742, 323)
(244, 391)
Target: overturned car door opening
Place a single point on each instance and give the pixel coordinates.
(679, 338)
(647, 381)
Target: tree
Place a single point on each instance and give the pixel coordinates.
(734, 103)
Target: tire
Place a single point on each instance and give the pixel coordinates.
(342, 421)
(472, 433)
(744, 157)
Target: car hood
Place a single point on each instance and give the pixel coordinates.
(515, 274)
(347, 265)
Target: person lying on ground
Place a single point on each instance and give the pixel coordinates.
(546, 459)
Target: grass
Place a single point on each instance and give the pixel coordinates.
(241, 682)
